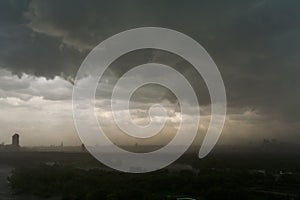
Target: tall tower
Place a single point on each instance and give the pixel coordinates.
(15, 140)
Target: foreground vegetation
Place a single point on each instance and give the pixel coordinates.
(71, 183)
(221, 175)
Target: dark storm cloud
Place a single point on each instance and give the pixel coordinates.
(12, 12)
(254, 43)
(25, 51)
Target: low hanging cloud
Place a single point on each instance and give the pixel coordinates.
(28, 86)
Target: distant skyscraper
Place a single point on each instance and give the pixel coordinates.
(15, 140)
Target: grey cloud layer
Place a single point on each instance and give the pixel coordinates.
(28, 86)
(254, 43)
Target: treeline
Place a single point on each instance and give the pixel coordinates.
(69, 183)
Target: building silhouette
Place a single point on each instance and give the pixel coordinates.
(15, 141)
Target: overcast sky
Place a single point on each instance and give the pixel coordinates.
(255, 45)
